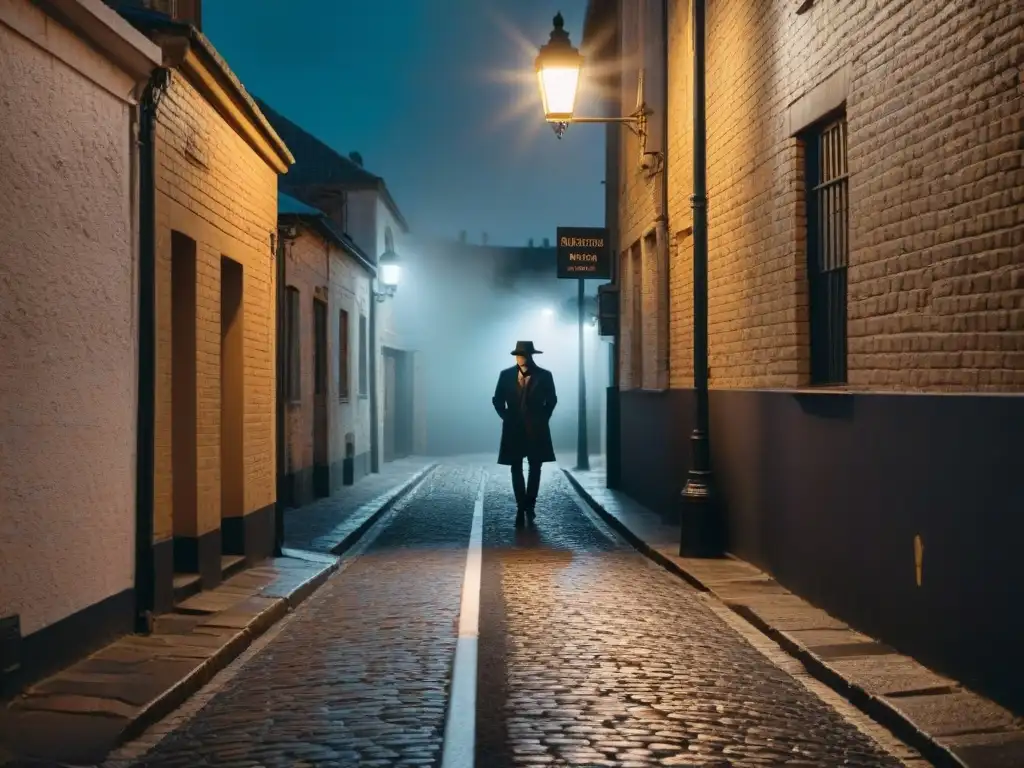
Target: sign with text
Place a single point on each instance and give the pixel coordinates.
(584, 253)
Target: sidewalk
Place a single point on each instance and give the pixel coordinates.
(329, 525)
(80, 714)
(948, 724)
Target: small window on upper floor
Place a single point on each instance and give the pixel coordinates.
(389, 241)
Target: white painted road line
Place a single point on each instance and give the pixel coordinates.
(460, 727)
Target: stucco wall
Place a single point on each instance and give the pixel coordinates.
(363, 221)
(350, 287)
(214, 188)
(67, 313)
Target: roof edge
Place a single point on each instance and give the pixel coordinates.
(187, 48)
(323, 226)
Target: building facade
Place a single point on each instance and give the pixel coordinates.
(72, 82)
(359, 207)
(217, 165)
(866, 302)
(325, 310)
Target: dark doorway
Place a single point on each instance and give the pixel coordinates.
(321, 462)
(398, 404)
(184, 463)
(232, 392)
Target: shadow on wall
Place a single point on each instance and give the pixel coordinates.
(827, 492)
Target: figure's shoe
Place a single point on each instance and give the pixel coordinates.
(520, 519)
(531, 513)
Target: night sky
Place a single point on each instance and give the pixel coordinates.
(438, 96)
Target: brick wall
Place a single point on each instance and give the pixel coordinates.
(935, 109)
(215, 189)
(306, 270)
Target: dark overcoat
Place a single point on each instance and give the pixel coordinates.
(525, 433)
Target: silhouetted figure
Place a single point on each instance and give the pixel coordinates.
(525, 399)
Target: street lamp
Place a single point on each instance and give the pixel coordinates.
(390, 271)
(558, 67)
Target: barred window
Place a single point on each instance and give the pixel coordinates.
(828, 248)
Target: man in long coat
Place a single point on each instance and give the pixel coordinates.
(525, 399)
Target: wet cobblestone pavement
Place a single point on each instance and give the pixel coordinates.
(588, 656)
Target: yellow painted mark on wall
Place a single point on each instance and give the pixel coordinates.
(918, 558)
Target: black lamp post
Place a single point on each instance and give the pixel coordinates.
(701, 531)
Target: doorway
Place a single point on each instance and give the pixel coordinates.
(398, 401)
(184, 466)
(232, 391)
(321, 462)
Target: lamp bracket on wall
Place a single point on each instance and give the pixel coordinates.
(384, 293)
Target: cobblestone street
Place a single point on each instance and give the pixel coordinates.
(588, 655)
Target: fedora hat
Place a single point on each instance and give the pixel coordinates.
(525, 348)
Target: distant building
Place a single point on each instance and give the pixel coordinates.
(359, 205)
(481, 299)
(327, 296)
(69, 314)
(866, 262)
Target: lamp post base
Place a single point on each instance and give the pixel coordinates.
(701, 530)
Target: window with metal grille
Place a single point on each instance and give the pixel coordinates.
(364, 358)
(343, 364)
(292, 385)
(828, 248)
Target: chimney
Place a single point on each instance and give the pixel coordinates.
(190, 11)
(356, 158)
(530, 243)
(547, 243)
(483, 238)
(462, 236)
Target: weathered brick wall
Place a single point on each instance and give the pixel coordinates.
(214, 188)
(935, 109)
(306, 270)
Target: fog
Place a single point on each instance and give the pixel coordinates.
(462, 307)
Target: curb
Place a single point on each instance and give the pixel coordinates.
(874, 706)
(393, 497)
(181, 691)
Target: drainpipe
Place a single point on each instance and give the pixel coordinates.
(613, 448)
(701, 530)
(662, 222)
(372, 362)
(279, 350)
(145, 575)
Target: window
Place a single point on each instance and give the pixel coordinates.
(364, 359)
(636, 324)
(389, 240)
(292, 386)
(828, 248)
(343, 353)
(319, 347)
